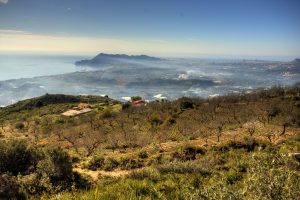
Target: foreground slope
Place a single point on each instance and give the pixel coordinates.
(241, 146)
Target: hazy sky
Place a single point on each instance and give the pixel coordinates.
(156, 27)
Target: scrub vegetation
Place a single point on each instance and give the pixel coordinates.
(237, 146)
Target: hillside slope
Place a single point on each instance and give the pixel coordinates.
(241, 146)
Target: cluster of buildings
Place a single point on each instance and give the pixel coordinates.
(85, 107)
(140, 102)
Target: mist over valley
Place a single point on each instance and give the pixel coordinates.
(121, 75)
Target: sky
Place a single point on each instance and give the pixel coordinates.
(156, 27)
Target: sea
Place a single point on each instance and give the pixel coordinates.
(15, 66)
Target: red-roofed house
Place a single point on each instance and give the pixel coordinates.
(138, 103)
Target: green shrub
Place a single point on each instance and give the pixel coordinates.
(232, 176)
(106, 114)
(9, 187)
(190, 152)
(219, 189)
(19, 126)
(47, 170)
(130, 163)
(183, 168)
(53, 173)
(97, 162)
(38, 104)
(171, 120)
(56, 165)
(81, 181)
(34, 184)
(143, 154)
(147, 173)
(141, 189)
(268, 178)
(186, 103)
(16, 157)
(136, 98)
(155, 120)
(248, 143)
(110, 164)
(125, 106)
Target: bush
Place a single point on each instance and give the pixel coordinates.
(56, 165)
(155, 119)
(268, 179)
(34, 184)
(190, 152)
(125, 106)
(171, 120)
(9, 187)
(106, 114)
(19, 126)
(110, 164)
(16, 157)
(147, 173)
(186, 103)
(53, 173)
(129, 163)
(232, 176)
(248, 143)
(81, 181)
(183, 168)
(143, 155)
(136, 98)
(97, 162)
(38, 171)
(38, 104)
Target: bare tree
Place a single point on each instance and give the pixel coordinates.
(220, 127)
(270, 135)
(250, 126)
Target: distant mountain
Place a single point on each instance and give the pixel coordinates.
(115, 59)
(297, 60)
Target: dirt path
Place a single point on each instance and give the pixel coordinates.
(95, 174)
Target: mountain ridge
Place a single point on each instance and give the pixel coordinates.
(104, 59)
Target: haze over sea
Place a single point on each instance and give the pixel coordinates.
(15, 66)
(27, 76)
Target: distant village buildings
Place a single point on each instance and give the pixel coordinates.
(82, 108)
(137, 101)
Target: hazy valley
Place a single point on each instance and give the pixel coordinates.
(119, 77)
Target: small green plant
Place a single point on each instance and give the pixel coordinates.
(143, 154)
(97, 162)
(19, 126)
(130, 163)
(232, 176)
(110, 164)
(186, 103)
(147, 173)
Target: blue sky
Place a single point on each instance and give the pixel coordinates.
(160, 27)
